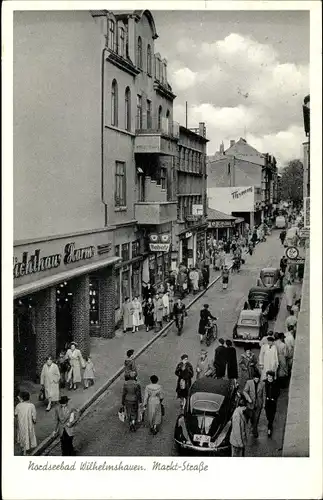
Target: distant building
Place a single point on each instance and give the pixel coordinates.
(241, 166)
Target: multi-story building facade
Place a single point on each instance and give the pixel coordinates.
(306, 148)
(242, 166)
(190, 238)
(95, 149)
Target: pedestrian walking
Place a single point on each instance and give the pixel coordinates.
(25, 412)
(206, 276)
(205, 317)
(194, 279)
(282, 236)
(203, 366)
(153, 404)
(290, 345)
(290, 295)
(283, 264)
(254, 392)
(184, 373)
(291, 320)
(89, 372)
(225, 277)
(282, 352)
(171, 294)
(179, 312)
(136, 314)
(130, 364)
(220, 359)
(238, 436)
(232, 364)
(131, 399)
(272, 392)
(64, 367)
(148, 311)
(158, 311)
(165, 299)
(127, 314)
(268, 358)
(147, 292)
(296, 307)
(49, 380)
(65, 417)
(76, 360)
(248, 365)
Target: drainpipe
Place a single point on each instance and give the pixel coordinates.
(102, 136)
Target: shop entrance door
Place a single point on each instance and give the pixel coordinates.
(24, 339)
(64, 297)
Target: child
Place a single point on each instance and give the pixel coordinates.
(88, 376)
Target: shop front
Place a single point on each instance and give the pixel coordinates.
(63, 291)
(158, 260)
(221, 226)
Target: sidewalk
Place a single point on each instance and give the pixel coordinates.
(108, 356)
(273, 447)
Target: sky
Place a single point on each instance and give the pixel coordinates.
(243, 73)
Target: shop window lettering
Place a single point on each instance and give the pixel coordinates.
(35, 263)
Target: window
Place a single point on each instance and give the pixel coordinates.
(135, 249)
(139, 112)
(160, 110)
(94, 301)
(117, 250)
(122, 41)
(127, 109)
(139, 53)
(168, 121)
(120, 184)
(149, 60)
(229, 168)
(163, 177)
(157, 68)
(111, 39)
(125, 252)
(149, 122)
(114, 104)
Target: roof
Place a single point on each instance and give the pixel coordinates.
(213, 214)
(211, 385)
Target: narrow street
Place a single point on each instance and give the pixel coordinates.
(100, 433)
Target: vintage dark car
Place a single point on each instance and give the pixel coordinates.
(204, 426)
(260, 297)
(270, 277)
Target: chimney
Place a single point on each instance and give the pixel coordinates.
(222, 148)
(232, 143)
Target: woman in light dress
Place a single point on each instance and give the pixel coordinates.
(76, 360)
(127, 314)
(136, 314)
(153, 401)
(25, 412)
(49, 380)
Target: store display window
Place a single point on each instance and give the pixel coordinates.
(125, 252)
(94, 302)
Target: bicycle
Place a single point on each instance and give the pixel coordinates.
(211, 333)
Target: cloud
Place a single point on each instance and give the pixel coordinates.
(237, 86)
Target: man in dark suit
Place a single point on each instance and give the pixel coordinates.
(220, 359)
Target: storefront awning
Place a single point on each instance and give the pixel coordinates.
(49, 281)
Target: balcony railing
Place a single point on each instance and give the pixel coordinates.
(151, 124)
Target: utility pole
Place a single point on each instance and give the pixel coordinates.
(185, 114)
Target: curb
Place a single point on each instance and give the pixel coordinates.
(54, 440)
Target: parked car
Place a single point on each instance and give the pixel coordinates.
(270, 277)
(251, 327)
(204, 426)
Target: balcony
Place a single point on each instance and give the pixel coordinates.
(149, 213)
(156, 135)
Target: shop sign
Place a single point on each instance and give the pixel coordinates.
(197, 210)
(188, 234)
(299, 260)
(159, 238)
(304, 233)
(36, 262)
(193, 218)
(159, 247)
(221, 223)
(238, 194)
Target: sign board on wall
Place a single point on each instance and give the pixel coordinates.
(33, 261)
(197, 210)
(159, 247)
(222, 223)
(232, 199)
(307, 210)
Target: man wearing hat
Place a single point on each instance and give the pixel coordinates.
(64, 420)
(203, 367)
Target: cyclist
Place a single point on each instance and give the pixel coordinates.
(205, 316)
(179, 312)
